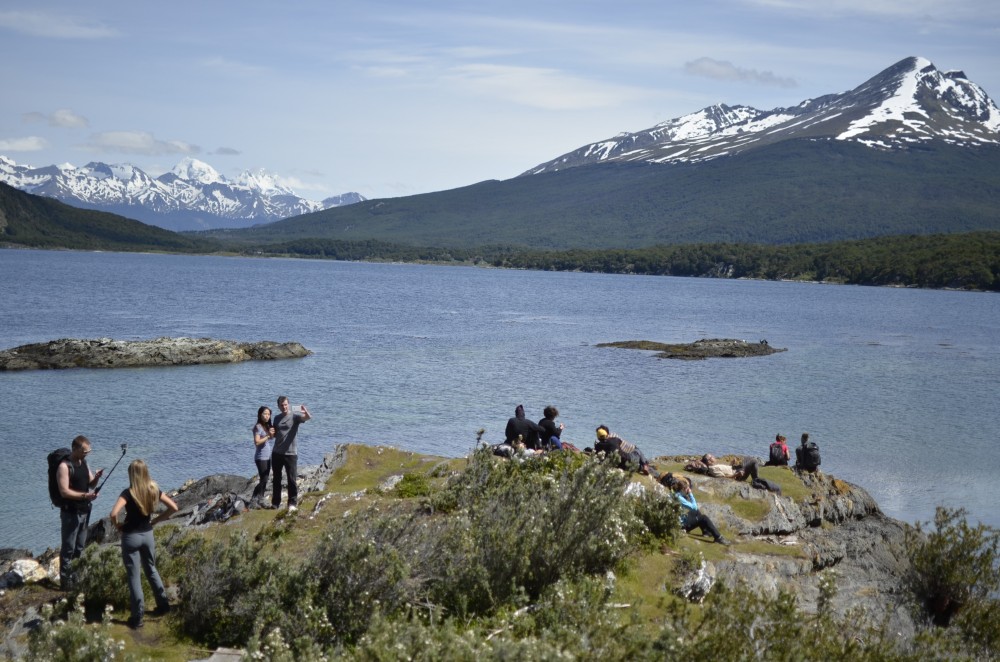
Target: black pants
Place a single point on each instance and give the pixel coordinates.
(696, 519)
(264, 471)
(290, 463)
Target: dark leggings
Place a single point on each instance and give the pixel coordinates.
(263, 470)
(696, 519)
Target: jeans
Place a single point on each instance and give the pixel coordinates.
(74, 538)
(263, 470)
(139, 548)
(290, 464)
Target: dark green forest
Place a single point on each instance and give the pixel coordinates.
(963, 261)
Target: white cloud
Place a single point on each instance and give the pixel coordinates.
(62, 118)
(227, 151)
(26, 144)
(138, 142)
(548, 89)
(723, 70)
(56, 26)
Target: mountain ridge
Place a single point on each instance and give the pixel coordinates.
(191, 196)
(883, 112)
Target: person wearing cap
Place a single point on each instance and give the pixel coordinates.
(629, 454)
(519, 426)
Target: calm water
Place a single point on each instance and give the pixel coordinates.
(897, 386)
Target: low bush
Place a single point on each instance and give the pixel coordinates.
(73, 640)
(231, 590)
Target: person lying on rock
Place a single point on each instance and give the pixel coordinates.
(748, 469)
(691, 517)
(629, 456)
(715, 468)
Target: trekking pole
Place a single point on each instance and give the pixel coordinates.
(108, 475)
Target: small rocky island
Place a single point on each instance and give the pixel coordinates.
(700, 349)
(108, 353)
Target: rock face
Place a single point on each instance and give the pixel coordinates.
(108, 353)
(700, 349)
(837, 529)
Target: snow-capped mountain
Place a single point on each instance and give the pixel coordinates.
(909, 103)
(192, 196)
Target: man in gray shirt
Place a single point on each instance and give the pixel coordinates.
(284, 455)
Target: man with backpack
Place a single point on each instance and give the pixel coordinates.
(807, 455)
(73, 495)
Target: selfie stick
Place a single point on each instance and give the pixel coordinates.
(108, 475)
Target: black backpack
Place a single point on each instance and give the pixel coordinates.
(56, 458)
(777, 455)
(810, 456)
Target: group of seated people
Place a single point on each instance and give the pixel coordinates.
(522, 437)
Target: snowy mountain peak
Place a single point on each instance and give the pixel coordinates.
(192, 196)
(263, 181)
(909, 103)
(194, 170)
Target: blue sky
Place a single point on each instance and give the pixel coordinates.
(394, 98)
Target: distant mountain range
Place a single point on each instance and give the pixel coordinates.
(192, 196)
(913, 150)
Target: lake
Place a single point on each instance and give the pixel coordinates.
(898, 386)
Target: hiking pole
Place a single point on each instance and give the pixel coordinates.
(108, 475)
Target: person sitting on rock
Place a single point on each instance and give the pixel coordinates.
(519, 426)
(807, 456)
(551, 432)
(629, 456)
(692, 518)
(778, 455)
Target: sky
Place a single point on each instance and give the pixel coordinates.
(392, 98)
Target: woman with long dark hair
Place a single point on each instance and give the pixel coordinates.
(138, 545)
(263, 441)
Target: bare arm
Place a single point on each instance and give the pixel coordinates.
(305, 413)
(171, 508)
(68, 493)
(260, 438)
(115, 510)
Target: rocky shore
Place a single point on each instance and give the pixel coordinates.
(706, 348)
(820, 525)
(108, 353)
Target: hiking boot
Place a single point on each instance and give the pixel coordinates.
(135, 623)
(722, 541)
(161, 610)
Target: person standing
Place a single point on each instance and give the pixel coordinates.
(263, 440)
(284, 454)
(75, 481)
(138, 544)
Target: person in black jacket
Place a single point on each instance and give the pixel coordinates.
(551, 432)
(520, 426)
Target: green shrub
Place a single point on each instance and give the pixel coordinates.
(412, 485)
(73, 640)
(231, 589)
(660, 514)
(102, 580)
(359, 569)
(519, 527)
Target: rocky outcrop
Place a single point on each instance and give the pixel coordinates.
(108, 353)
(705, 348)
(837, 528)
